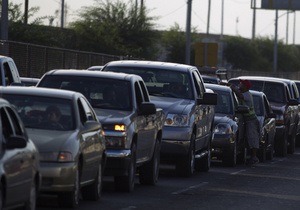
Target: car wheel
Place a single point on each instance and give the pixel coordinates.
(31, 202)
(93, 191)
(126, 183)
(270, 152)
(292, 143)
(186, 165)
(281, 147)
(229, 157)
(71, 199)
(148, 173)
(262, 154)
(1, 196)
(203, 164)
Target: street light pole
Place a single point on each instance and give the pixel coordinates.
(188, 33)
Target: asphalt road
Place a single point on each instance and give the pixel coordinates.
(270, 185)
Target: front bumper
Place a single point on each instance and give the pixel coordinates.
(222, 143)
(117, 162)
(58, 177)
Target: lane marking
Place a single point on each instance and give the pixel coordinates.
(189, 188)
(268, 176)
(269, 195)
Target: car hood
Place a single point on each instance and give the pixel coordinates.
(106, 116)
(49, 140)
(173, 105)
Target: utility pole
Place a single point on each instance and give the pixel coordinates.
(254, 20)
(188, 33)
(287, 28)
(208, 18)
(62, 13)
(275, 44)
(4, 20)
(26, 12)
(294, 31)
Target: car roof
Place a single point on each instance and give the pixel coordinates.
(108, 75)
(151, 64)
(217, 87)
(259, 78)
(39, 91)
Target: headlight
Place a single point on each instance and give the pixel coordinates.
(115, 135)
(222, 128)
(179, 120)
(56, 156)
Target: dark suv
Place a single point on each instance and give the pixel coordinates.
(283, 105)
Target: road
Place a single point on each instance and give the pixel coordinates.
(270, 185)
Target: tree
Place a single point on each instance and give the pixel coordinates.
(16, 15)
(115, 27)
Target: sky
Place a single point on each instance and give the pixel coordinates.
(238, 16)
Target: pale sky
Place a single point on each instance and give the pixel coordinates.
(238, 16)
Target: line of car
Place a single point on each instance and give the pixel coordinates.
(166, 113)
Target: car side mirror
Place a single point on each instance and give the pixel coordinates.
(208, 99)
(15, 142)
(147, 108)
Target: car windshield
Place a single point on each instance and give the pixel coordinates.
(161, 82)
(100, 92)
(43, 112)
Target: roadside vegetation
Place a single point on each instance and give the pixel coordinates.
(119, 28)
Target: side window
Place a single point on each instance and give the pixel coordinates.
(198, 83)
(7, 74)
(90, 115)
(83, 117)
(296, 92)
(144, 90)
(6, 126)
(139, 96)
(15, 122)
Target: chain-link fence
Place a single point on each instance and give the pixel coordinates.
(34, 60)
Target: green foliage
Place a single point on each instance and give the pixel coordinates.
(115, 27)
(16, 15)
(174, 42)
(258, 54)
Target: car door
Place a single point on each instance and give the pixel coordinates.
(202, 114)
(145, 127)
(90, 146)
(18, 161)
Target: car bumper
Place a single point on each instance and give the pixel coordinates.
(222, 143)
(175, 143)
(117, 162)
(58, 177)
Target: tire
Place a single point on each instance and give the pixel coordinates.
(270, 152)
(281, 147)
(71, 199)
(149, 172)
(31, 202)
(203, 164)
(230, 156)
(93, 191)
(1, 197)
(242, 156)
(185, 166)
(126, 183)
(291, 143)
(262, 153)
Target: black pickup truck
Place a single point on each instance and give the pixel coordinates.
(132, 124)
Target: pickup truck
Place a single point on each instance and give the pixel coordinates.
(189, 109)
(132, 124)
(9, 74)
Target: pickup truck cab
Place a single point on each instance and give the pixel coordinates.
(9, 74)
(189, 109)
(132, 124)
(283, 105)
